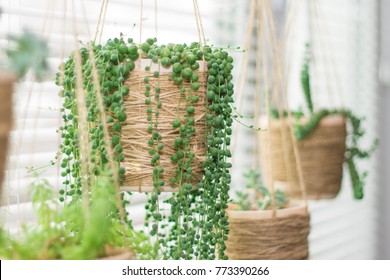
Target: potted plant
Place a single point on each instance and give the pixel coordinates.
(324, 144)
(26, 51)
(87, 228)
(266, 225)
(167, 112)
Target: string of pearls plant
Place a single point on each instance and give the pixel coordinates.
(196, 226)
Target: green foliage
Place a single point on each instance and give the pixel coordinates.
(274, 113)
(353, 152)
(196, 226)
(72, 231)
(305, 79)
(257, 196)
(28, 51)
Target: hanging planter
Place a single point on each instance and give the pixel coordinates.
(266, 228)
(6, 88)
(321, 155)
(323, 145)
(162, 116)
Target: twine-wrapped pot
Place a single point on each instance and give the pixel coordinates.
(260, 235)
(321, 157)
(6, 87)
(135, 136)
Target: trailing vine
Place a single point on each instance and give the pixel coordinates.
(196, 227)
(305, 79)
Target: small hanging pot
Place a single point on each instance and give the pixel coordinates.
(321, 156)
(268, 234)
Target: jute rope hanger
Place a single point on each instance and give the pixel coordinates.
(261, 59)
(82, 110)
(265, 11)
(276, 90)
(101, 21)
(280, 75)
(323, 45)
(241, 81)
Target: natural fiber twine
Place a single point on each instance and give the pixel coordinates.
(6, 88)
(321, 155)
(137, 163)
(255, 236)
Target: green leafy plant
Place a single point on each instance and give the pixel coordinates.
(305, 79)
(27, 51)
(257, 197)
(73, 231)
(196, 226)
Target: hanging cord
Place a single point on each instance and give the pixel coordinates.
(103, 117)
(85, 17)
(103, 22)
(292, 11)
(241, 82)
(141, 21)
(257, 103)
(155, 18)
(200, 22)
(106, 135)
(199, 26)
(280, 75)
(81, 109)
(100, 23)
(283, 123)
(83, 136)
(324, 45)
(99, 20)
(285, 138)
(47, 16)
(315, 40)
(242, 78)
(262, 60)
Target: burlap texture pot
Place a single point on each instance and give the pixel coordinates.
(259, 235)
(135, 136)
(6, 88)
(321, 156)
